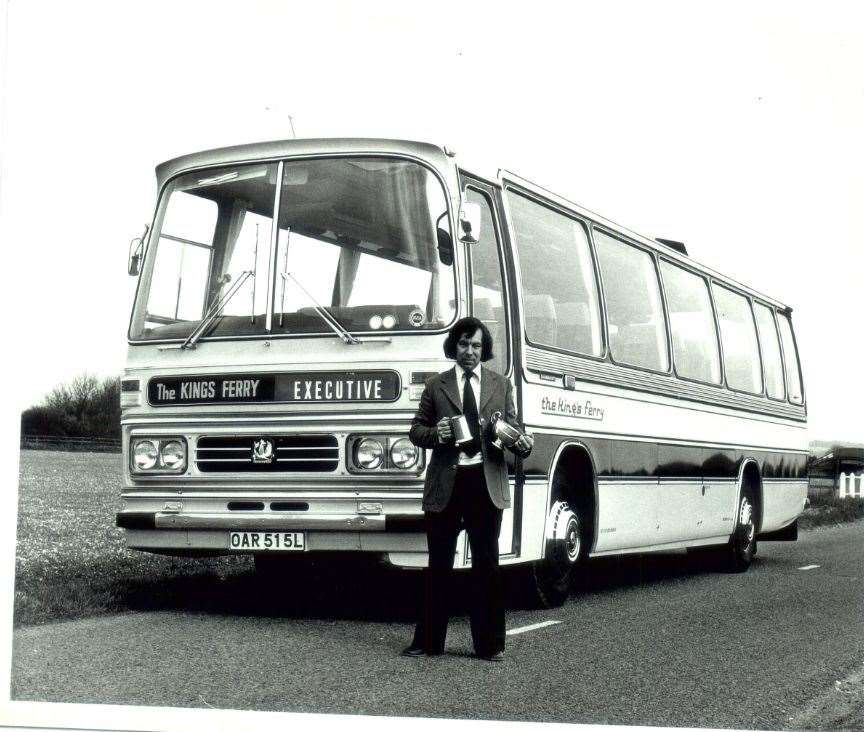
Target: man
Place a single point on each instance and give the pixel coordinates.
(466, 487)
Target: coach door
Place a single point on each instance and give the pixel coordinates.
(489, 303)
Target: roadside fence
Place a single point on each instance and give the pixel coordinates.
(850, 485)
(821, 487)
(72, 444)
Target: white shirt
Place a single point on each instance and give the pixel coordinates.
(475, 387)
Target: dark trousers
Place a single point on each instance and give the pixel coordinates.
(470, 508)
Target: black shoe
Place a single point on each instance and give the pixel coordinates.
(496, 657)
(413, 651)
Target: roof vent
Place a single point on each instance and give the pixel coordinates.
(678, 246)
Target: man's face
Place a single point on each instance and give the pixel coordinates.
(468, 350)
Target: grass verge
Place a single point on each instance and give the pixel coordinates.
(70, 560)
(830, 510)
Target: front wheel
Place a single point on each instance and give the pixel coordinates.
(552, 576)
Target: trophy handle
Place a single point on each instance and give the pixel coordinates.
(492, 422)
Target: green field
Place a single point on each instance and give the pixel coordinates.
(70, 560)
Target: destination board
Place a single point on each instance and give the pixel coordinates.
(305, 387)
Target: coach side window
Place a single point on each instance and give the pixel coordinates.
(562, 308)
(637, 328)
(790, 354)
(771, 359)
(740, 347)
(694, 338)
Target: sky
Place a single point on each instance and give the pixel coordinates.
(734, 127)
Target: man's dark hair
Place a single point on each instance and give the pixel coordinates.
(468, 326)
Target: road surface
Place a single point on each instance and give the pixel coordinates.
(653, 640)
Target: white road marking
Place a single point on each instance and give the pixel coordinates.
(535, 626)
(810, 566)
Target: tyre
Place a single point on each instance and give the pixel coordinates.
(551, 578)
(741, 549)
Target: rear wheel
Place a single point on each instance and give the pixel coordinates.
(741, 548)
(551, 578)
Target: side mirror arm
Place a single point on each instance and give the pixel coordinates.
(469, 222)
(136, 252)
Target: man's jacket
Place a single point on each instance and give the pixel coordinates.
(441, 398)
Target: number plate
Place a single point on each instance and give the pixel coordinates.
(267, 541)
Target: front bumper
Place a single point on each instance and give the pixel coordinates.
(258, 521)
(194, 522)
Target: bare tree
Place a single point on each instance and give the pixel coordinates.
(85, 407)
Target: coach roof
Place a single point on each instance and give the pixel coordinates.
(257, 151)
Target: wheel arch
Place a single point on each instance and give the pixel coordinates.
(571, 470)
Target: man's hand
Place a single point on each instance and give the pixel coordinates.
(525, 443)
(445, 434)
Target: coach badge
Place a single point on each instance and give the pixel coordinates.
(262, 451)
(416, 318)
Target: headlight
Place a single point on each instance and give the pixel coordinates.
(173, 455)
(388, 321)
(369, 454)
(158, 454)
(403, 453)
(144, 455)
(375, 322)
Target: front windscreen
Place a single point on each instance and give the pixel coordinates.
(364, 239)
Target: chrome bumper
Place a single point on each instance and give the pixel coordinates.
(270, 522)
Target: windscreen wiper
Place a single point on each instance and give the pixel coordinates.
(214, 310)
(334, 324)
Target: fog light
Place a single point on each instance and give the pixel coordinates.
(173, 454)
(404, 454)
(369, 454)
(144, 455)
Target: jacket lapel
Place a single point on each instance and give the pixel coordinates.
(487, 388)
(448, 384)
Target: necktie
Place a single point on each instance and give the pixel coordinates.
(469, 409)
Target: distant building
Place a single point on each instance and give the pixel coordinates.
(824, 469)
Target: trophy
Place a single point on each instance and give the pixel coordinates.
(504, 434)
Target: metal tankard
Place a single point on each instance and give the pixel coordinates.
(460, 428)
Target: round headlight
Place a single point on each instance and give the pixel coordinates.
(403, 453)
(375, 322)
(369, 454)
(388, 321)
(173, 454)
(144, 455)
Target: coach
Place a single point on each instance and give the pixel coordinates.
(466, 487)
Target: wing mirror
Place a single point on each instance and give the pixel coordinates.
(469, 222)
(136, 252)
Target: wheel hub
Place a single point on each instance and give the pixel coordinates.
(563, 540)
(745, 519)
(571, 540)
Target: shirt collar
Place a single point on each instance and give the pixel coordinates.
(460, 373)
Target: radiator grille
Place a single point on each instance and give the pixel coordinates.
(292, 454)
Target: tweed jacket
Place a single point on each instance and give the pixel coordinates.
(441, 398)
